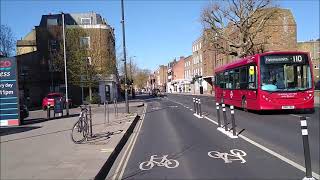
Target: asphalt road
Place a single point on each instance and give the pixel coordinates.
(279, 131)
(170, 128)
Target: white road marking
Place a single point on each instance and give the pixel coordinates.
(132, 145)
(294, 164)
(298, 115)
(164, 162)
(211, 120)
(125, 157)
(108, 150)
(237, 155)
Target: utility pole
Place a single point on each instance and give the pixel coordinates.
(65, 65)
(124, 58)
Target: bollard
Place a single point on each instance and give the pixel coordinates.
(108, 112)
(200, 112)
(224, 117)
(218, 114)
(233, 121)
(306, 149)
(116, 107)
(48, 111)
(90, 115)
(105, 112)
(194, 105)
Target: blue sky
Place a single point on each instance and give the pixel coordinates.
(156, 31)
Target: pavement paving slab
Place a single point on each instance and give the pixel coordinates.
(42, 149)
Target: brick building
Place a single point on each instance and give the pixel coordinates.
(188, 73)
(279, 34)
(313, 47)
(178, 75)
(198, 50)
(161, 77)
(27, 44)
(45, 41)
(170, 75)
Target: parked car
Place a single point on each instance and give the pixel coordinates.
(49, 100)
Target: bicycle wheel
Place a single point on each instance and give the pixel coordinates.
(147, 165)
(79, 131)
(238, 152)
(171, 163)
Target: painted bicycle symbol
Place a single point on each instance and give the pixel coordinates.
(168, 163)
(235, 155)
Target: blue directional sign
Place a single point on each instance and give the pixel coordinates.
(9, 99)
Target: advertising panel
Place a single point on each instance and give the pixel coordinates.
(9, 99)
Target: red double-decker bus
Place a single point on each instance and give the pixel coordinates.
(268, 81)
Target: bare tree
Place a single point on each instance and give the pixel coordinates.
(232, 26)
(7, 42)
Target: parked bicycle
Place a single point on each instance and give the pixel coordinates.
(80, 129)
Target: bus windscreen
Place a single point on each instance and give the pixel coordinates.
(285, 73)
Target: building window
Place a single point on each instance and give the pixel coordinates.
(53, 44)
(85, 42)
(200, 57)
(86, 21)
(52, 22)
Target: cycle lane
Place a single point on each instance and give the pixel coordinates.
(177, 133)
(278, 131)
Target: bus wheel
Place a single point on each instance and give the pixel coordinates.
(244, 104)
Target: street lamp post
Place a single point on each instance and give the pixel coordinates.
(65, 65)
(124, 58)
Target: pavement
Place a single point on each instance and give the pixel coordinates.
(42, 149)
(171, 143)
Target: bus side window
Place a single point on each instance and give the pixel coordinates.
(226, 79)
(216, 81)
(252, 78)
(236, 80)
(231, 80)
(243, 78)
(221, 80)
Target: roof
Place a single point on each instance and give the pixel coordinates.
(74, 18)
